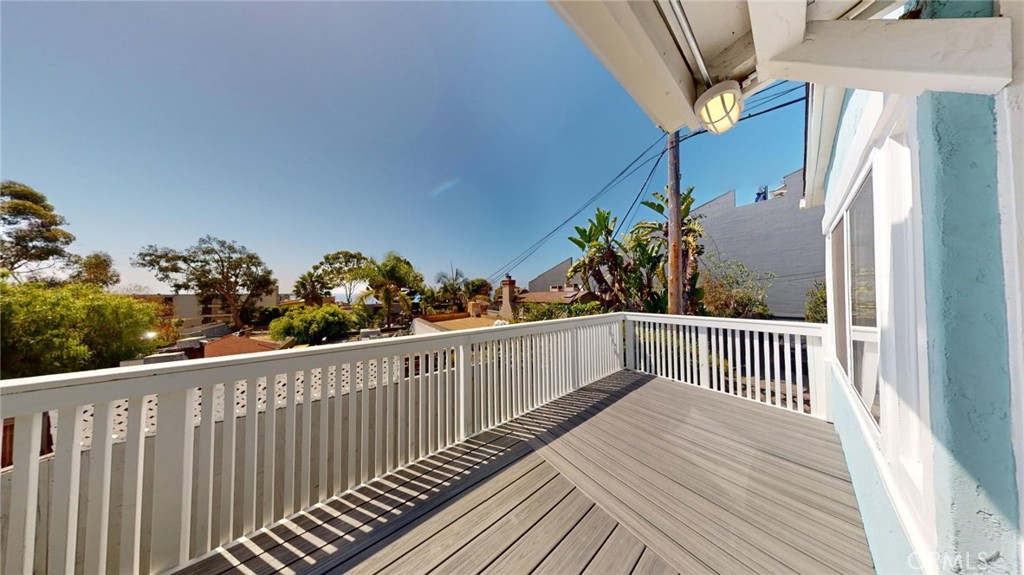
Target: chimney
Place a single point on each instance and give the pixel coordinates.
(508, 298)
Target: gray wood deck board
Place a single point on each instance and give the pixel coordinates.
(619, 554)
(573, 553)
(651, 564)
(631, 474)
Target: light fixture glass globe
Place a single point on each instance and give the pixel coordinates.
(719, 108)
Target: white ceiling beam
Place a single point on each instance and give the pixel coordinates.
(970, 55)
(633, 42)
(776, 26)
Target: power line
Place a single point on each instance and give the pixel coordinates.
(623, 174)
(515, 262)
(643, 188)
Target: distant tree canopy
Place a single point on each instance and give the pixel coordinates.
(32, 235)
(74, 327)
(342, 269)
(312, 325)
(478, 286)
(213, 268)
(312, 286)
(96, 268)
(387, 279)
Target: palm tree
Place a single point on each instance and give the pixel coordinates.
(312, 286)
(452, 286)
(601, 260)
(690, 247)
(387, 279)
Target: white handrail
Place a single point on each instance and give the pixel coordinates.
(367, 407)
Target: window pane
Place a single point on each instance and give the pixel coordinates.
(839, 293)
(862, 257)
(863, 317)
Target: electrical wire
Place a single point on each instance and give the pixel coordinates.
(639, 194)
(522, 257)
(622, 175)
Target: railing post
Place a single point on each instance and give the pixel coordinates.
(703, 357)
(820, 405)
(630, 347)
(173, 479)
(465, 401)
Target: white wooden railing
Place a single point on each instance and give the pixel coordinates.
(779, 363)
(184, 457)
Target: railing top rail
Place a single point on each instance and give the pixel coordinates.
(768, 325)
(265, 363)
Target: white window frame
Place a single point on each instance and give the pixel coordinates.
(884, 147)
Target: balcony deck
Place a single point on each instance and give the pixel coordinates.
(630, 474)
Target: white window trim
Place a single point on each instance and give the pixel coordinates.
(882, 114)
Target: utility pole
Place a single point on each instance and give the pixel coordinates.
(675, 268)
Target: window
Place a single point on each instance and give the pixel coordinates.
(855, 311)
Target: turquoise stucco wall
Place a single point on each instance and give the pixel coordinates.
(968, 363)
(890, 547)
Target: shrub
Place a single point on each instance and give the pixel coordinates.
(816, 306)
(540, 312)
(312, 325)
(579, 309)
(74, 327)
(729, 289)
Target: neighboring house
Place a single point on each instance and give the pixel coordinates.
(777, 235)
(554, 277)
(564, 296)
(192, 312)
(238, 345)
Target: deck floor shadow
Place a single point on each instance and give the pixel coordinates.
(630, 474)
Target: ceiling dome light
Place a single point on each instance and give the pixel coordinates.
(719, 108)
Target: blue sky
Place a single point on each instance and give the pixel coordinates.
(453, 133)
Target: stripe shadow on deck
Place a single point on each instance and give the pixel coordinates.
(631, 474)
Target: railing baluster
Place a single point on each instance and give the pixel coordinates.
(205, 466)
(351, 444)
(172, 479)
(734, 364)
(250, 447)
(777, 372)
(270, 450)
(21, 531)
(364, 424)
(227, 465)
(749, 366)
(131, 493)
(379, 400)
(305, 437)
(289, 443)
(323, 430)
(98, 504)
(800, 350)
(67, 466)
(788, 374)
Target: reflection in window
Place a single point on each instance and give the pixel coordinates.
(863, 317)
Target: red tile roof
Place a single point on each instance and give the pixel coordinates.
(237, 345)
(554, 296)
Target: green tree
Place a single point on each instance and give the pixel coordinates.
(602, 260)
(342, 269)
(96, 268)
(312, 325)
(816, 306)
(690, 247)
(312, 286)
(32, 237)
(451, 287)
(478, 287)
(213, 268)
(388, 280)
(73, 327)
(733, 290)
